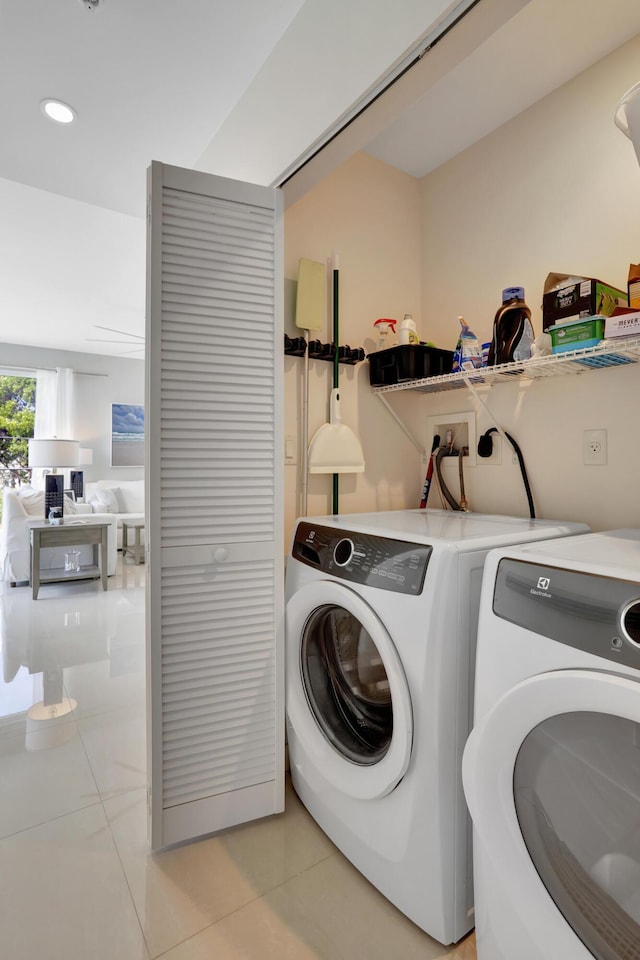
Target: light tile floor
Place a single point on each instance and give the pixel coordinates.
(76, 878)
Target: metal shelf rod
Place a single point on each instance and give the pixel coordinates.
(609, 353)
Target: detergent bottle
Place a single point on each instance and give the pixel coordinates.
(408, 332)
(512, 330)
(468, 352)
(385, 329)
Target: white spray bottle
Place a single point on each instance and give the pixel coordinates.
(385, 329)
(408, 332)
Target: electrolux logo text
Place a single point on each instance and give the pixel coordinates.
(543, 586)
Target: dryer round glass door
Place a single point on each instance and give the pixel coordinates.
(347, 695)
(576, 786)
(552, 779)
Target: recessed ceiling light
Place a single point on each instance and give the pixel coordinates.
(58, 111)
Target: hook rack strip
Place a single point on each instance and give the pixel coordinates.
(297, 347)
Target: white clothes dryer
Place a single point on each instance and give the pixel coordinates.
(381, 621)
(552, 767)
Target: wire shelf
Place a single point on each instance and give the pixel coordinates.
(608, 353)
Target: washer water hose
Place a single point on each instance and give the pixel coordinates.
(451, 500)
(485, 448)
(463, 500)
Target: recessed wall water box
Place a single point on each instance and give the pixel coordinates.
(463, 432)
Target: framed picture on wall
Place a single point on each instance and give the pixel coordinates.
(127, 435)
(53, 494)
(76, 478)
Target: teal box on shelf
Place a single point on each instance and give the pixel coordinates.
(412, 361)
(576, 334)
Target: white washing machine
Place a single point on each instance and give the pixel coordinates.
(381, 621)
(552, 768)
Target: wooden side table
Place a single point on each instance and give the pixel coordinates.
(136, 549)
(71, 534)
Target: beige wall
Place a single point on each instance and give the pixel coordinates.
(556, 189)
(370, 215)
(102, 380)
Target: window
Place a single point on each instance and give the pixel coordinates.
(17, 417)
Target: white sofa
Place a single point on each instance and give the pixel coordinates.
(23, 508)
(122, 498)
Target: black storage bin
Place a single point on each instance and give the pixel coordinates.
(411, 361)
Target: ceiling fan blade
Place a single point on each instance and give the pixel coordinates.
(125, 333)
(98, 340)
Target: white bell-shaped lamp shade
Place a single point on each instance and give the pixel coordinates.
(627, 116)
(54, 453)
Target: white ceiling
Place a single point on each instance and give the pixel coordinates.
(150, 79)
(546, 44)
(182, 83)
(156, 80)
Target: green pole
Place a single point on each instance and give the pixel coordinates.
(336, 371)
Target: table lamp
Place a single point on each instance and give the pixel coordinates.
(51, 454)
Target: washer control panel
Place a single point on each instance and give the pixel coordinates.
(362, 558)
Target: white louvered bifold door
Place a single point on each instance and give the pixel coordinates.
(214, 516)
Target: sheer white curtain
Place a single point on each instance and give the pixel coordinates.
(55, 404)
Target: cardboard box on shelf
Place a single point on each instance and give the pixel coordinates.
(622, 323)
(580, 297)
(633, 286)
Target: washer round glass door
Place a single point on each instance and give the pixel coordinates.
(346, 684)
(347, 695)
(552, 779)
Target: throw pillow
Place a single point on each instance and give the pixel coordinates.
(105, 500)
(69, 505)
(32, 501)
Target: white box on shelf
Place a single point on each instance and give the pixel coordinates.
(622, 325)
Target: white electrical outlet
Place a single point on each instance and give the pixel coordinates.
(495, 459)
(290, 450)
(496, 452)
(594, 448)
